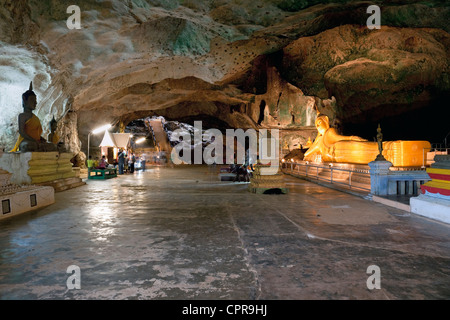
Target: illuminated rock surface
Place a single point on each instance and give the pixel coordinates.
(183, 59)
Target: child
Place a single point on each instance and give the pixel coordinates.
(90, 163)
(103, 163)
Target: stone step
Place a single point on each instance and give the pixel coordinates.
(64, 184)
(70, 186)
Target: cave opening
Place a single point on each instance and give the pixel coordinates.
(159, 133)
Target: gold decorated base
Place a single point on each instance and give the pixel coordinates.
(267, 183)
(37, 167)
(49, 166)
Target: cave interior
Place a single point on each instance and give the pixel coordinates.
(230, 64)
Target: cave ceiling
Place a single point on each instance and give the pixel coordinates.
(220, 59)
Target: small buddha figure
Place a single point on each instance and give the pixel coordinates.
(333, 147)
(53, 137)
(30, 129)
(308, 143)
(380, 156)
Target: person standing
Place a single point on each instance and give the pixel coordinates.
(121, 161)
(133, 161)
(143, 163)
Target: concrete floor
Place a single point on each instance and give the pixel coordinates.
(179, 233)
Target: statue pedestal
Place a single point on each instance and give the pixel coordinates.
(40, 168)
(20, 199)
(434, 202)
(379, 182)
(431, 207)
(273, 183)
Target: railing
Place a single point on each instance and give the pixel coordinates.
(434, 151)
(399, 181)
(439, 146)
(331, 174)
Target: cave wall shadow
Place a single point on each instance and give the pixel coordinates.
(430, 122)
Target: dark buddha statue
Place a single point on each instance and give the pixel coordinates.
(53, 137)
(30, 129)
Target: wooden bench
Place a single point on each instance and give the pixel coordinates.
(102, 173)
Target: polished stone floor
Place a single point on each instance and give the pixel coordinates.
(179, 233)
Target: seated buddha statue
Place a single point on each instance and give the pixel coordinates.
(30, 129)
(333, 147)
(54, 138)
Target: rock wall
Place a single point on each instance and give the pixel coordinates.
(366, 69)
(138, 58)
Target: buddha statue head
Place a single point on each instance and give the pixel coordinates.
(29, 98)
(322, 123)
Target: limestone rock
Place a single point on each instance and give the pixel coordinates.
(366, 69)
(139, 58)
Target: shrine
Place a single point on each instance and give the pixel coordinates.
(225, 150)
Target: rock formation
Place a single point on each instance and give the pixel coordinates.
(218, 60)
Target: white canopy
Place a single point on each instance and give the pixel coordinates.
(115, 140)
(122, 139)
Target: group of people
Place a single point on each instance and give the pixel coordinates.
(101, 163)
(124, 162)
(127, 163)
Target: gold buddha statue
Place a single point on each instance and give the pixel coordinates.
(308, 143)
(333, 147)
(30, 129)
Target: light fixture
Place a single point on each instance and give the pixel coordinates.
(140, 140)
(95, 131)
(102, 128)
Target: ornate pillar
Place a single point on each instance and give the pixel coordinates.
(379, 171)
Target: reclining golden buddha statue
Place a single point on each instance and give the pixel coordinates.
(30, 129)
(333, 147)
